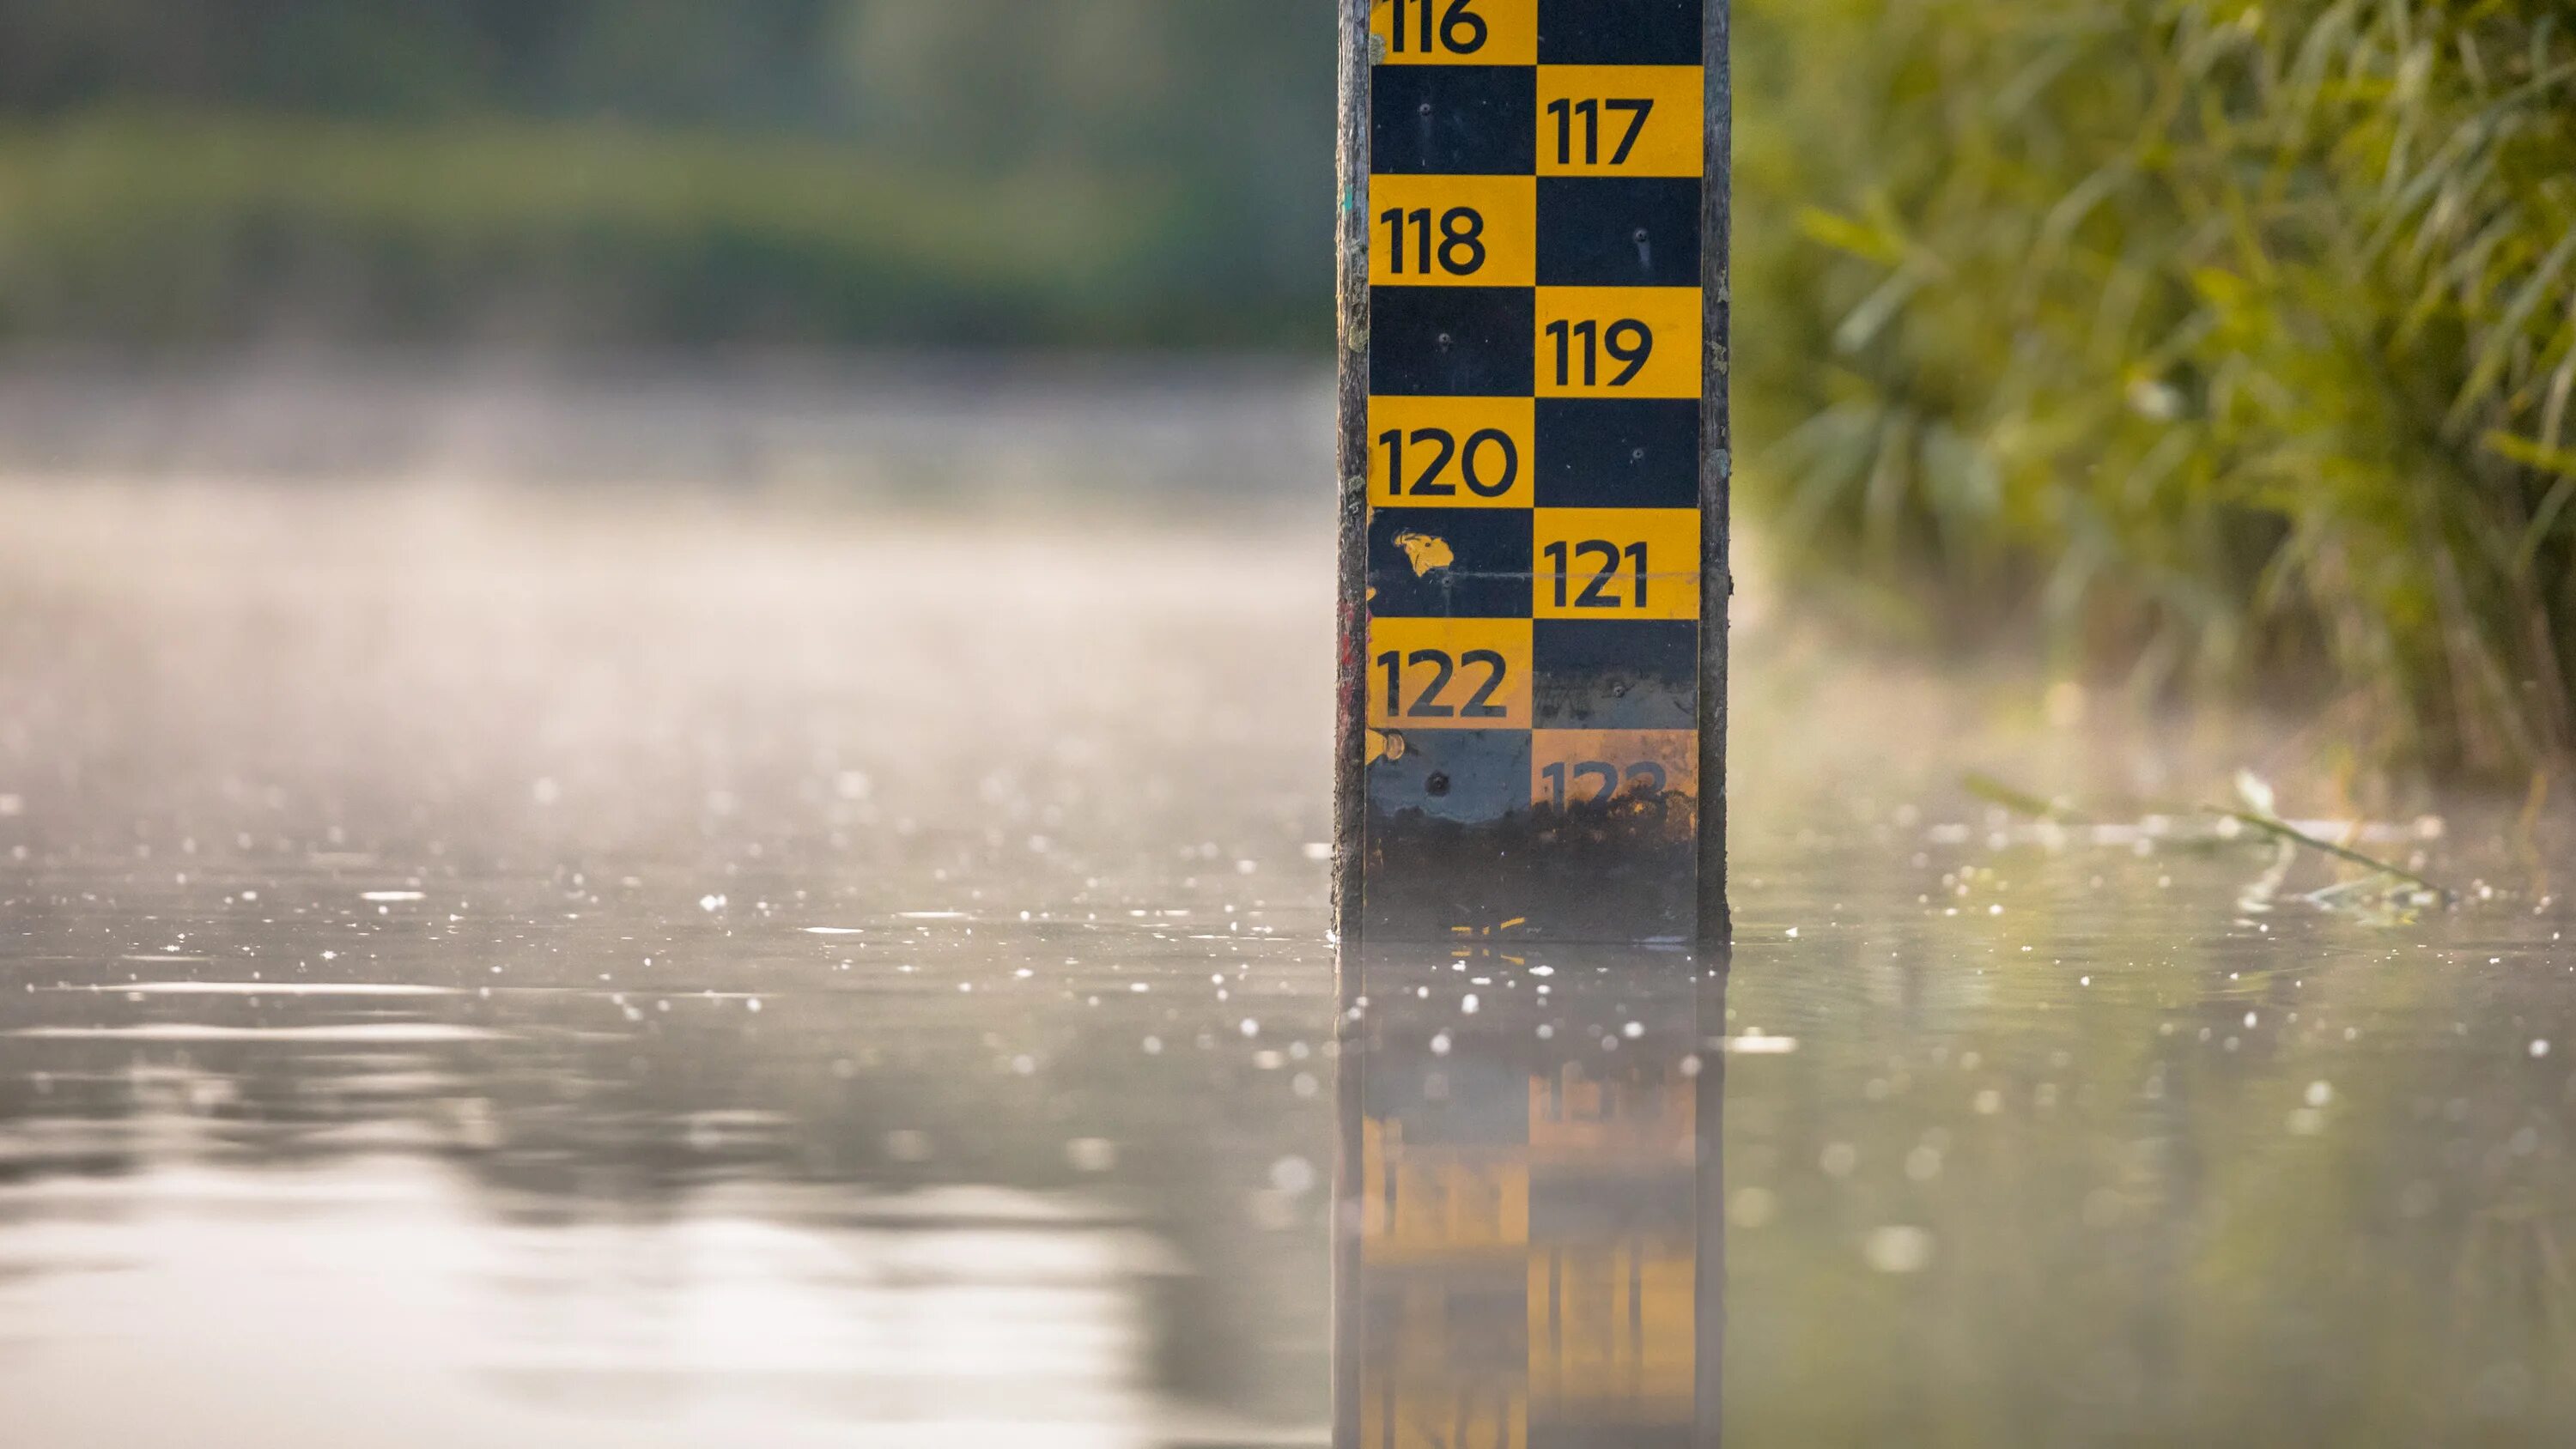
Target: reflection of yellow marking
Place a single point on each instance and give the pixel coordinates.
(1476, 1327)
(1497, 237)
(1670, 314)
(1670, 143)
(1564, 569)
(1425, 552)
(1490, 1409)
(1613, 1324)
(1575, 1118)
(1427, 1204)
(1510, 32)
(1491, 448)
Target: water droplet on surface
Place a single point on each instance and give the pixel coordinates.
(1292, 1175)
(1897, 1249)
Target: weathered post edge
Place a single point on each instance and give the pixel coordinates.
(1350, 461)
(1350, 685)
(1716, 479)
(1717, 588)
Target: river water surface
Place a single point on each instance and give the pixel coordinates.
(695, 964)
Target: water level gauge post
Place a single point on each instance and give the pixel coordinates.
(1534, 467)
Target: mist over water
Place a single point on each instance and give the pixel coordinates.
(811, 934)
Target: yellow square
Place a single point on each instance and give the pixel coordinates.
(1449, 674)
(1453, 231)
(1455, 32)
(1618, 342)
(1451, 452)
(1582, 767)
(1466, 1410)
(1615, 563)
(1622, 120)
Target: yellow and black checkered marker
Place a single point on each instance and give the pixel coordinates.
(1533, 376)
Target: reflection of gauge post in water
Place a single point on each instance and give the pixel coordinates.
(1533, 457)
(1528, 1255)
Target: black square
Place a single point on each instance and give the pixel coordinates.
(1452, 341)
(1482, 1101)
(1449, 563)
(1453, 120)
(1580, 1209)
(1462, 777)
(1544, 1435)
(1618, 453)
(1640, 674)
(1621, 32)
(1618, 231)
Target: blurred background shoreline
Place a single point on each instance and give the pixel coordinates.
(1182, 442)
(2194, 353)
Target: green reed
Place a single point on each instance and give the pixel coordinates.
(2232, 344)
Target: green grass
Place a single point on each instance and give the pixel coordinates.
(2232, 344)
(157, 229)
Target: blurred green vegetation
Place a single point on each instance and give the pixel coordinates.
(173, 229)
(1094, 172)
(2228, 345)
(2232, 343)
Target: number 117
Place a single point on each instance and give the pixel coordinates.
(1566, 110)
